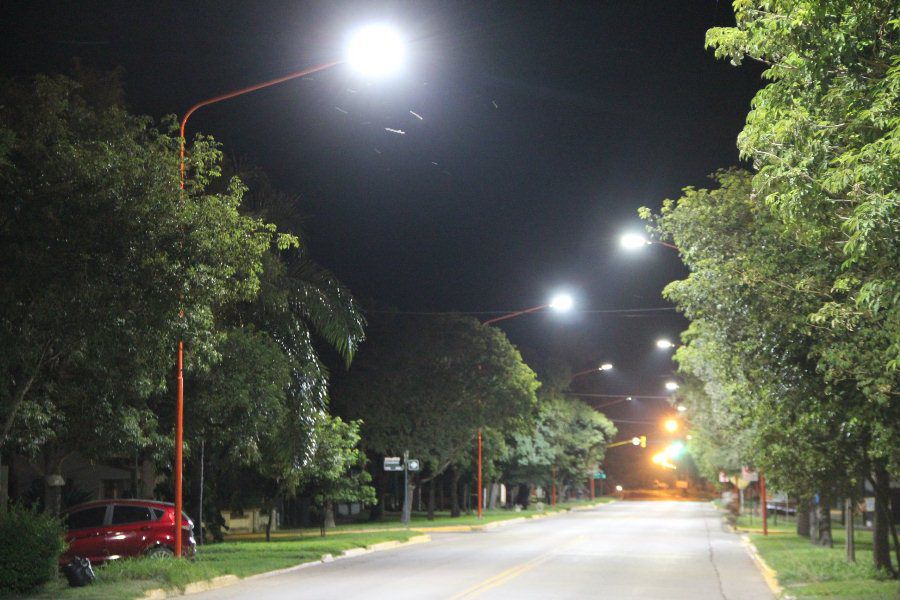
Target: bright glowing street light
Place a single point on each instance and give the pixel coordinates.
(633, 241)
(671, 425)
(681, 408)
(664, 344)
(636, 241)
(671, 386)
(618, 488)
(376, 50)
(561, 302)
(606, 366)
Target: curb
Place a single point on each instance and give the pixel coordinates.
(228, 580)
(770, 576)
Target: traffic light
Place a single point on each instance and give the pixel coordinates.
(643, 441)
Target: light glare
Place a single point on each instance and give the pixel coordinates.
(561, 302)
(664, 344)
(633, 241)
(671, 386)
(671, 425)
(375, 50)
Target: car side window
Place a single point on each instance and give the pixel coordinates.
(157, 514)
(89, 517)
(131, 514)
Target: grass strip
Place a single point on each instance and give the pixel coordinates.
(129, 579)
(815, 572)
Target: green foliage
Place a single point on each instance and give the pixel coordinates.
(753, 392)
(337, 469)
(568, 435)
(824, 135)
(101, 256)
(30, 544)
(427, 385)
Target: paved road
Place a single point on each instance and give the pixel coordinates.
(647, 550)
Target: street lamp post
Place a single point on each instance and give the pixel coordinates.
(179, 406)
(375, 49)
(560, 302)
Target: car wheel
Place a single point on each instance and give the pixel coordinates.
(160, 552)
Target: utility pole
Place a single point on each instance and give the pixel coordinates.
(762, 500)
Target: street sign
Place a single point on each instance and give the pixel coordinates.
(600, 475)
(392, 463)
(412, 464)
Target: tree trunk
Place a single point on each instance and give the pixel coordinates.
(813, 522)
(495, 495)
(881, 549)
(849, 542)
(328, 516)
(454, 493)
(53, 494)
(431, 500)
(270, 521)
(803, 517)
(824, 522)
(467, 500)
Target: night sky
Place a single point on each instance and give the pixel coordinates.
(544, 126)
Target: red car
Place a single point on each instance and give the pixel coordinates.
(112, 529)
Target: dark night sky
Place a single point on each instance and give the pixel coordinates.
(550, 123)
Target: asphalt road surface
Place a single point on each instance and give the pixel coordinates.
(651, 550)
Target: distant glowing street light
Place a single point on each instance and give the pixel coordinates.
(375, 50)
(664, 344)
(618, 488)
(600, 369)
(559, 303)
(671, 386)
(671, 425)
(636, 441)
(681, 408)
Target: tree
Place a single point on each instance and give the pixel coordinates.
(750, 342)
(823, 138)
(101, 254)
(568, 437)
(337, 470)
(427, 385)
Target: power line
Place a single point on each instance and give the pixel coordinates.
(624, 396)
(502, 312)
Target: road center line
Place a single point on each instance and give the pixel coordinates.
(513, 572)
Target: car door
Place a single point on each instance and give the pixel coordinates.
(86, 533)
(129, 530)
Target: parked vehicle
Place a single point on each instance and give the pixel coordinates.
(113, 529)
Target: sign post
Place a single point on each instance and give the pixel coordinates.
(392, 463)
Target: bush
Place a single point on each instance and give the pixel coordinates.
(30, 545)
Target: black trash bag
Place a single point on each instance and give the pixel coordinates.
(79, 572)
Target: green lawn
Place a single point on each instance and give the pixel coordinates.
(420, 522)
(812, 572)
(129, 579)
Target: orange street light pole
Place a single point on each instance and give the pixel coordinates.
(179, 406)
